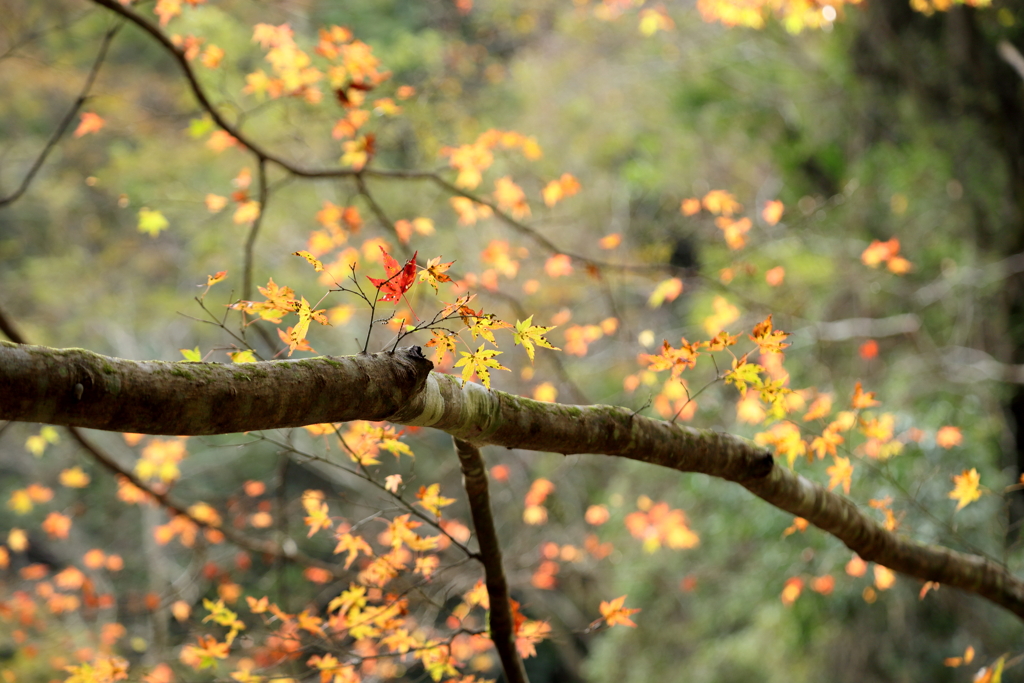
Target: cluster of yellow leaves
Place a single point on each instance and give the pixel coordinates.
(365, 440)
(473, 159)
(23, 500)
(159, 460)
(338, 223)
(657, 525)
(104, 669)
(556, 190)
(37, 443)
(378, 623)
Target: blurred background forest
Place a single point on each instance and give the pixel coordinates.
(884, 123)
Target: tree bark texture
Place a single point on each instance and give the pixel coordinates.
(79, 388)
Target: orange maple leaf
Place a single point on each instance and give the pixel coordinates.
(863, 399)
(948, 436)
(767, 340)
(772, 212)
(614, 613)
(90, 123)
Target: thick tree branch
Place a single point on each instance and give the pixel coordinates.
(79, 388)
(503, 633)
(164, 499)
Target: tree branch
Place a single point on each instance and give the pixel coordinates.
(241, 540)
(474, 478)
(65, 123)
(39, 384)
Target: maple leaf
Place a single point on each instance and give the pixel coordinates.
(358, 152)
(775, 276)
(74, 478)
(948, 436)
(767, 340)
(667, 290)
(435, 272)
(879, 252)
(791, 590)
(398, 280)
(558, 265)
(510, 197)
(313, 261)
(735, 232)
(151, 221)
(469, 211)
(91, 123)
(566, 186)
(484, 326)
(530, 335)
(967, 488)
(479, 362)
(690, 206)
(614, 613)
(725, 313)
(721, 202)
(444, 343)
(840, 472)
(247, 212)
(528, 634)
(772, 212)
(430, 497)
(318, 516)
(862, 399)
(826, 443)
(743, 373)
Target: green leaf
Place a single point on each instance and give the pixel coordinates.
(200, 127)
(192, 354)
(151, 221)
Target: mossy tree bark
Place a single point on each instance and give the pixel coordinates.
(79, 388)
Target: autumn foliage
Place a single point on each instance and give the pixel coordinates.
(365, 565)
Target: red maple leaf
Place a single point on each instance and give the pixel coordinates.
(398, 281)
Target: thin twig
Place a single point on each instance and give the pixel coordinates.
(65, 123)
(250, 240)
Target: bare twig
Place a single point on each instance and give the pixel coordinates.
(254, 229)
(65, 123)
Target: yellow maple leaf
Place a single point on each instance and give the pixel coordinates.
(530, 335)
(840, 472)
(430, 497)
(479, 362)
(967, 488)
